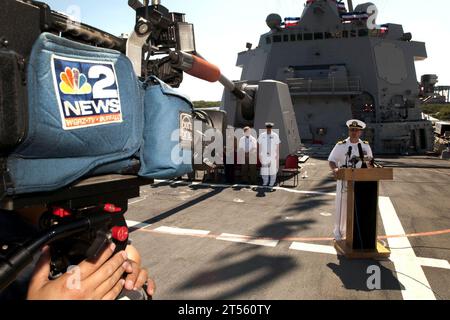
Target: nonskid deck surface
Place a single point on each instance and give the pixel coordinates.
(203, 241)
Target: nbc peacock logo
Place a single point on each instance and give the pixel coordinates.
(73, 82)
(87, 92)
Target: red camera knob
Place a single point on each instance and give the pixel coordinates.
(111, 208)
(120, 233)
(61, 212)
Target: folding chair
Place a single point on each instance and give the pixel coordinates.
(291, 169)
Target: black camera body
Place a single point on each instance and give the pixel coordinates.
(13, 100)
(88, 214)
(85, 216)
(79, 222)
(166, 31)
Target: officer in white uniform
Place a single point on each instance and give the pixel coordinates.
(248, 156)
(269, 155)
(346, 154)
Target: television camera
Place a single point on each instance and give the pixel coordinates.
(78, 220)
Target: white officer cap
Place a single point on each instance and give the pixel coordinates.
(356, 124)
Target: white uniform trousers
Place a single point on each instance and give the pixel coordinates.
(340, 225)
(269, 173)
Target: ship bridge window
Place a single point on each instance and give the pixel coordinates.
(353, 33)
(308, 36)
(293, 37)
(318, 36)
(345, 34)
(328, 35)
(277, 38)
(268, 40)
(363, 32)
(299, 37)
(286, 38)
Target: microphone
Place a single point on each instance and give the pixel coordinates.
(361, 156)
(354, 161)
(349, 153)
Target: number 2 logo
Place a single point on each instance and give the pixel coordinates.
(100, 90)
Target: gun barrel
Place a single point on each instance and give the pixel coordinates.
(197, 66)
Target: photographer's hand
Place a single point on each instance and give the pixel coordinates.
(138, 277)
(100, 280)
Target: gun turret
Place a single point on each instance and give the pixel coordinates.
(428, 83)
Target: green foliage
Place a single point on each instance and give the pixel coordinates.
(439, 111)
(206, 104)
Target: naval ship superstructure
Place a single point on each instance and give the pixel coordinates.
(339, 64)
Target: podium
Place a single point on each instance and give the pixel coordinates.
(362, 213)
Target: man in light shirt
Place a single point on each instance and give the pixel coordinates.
(269, 153)
(248, 145)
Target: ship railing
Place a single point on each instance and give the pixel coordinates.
(325, 86)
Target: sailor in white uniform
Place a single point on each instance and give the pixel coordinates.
(269, 155)
(347, 154)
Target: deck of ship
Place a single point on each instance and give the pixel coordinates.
(204, 241)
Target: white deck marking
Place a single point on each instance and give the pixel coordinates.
(248, 240)
(306, 192)
(298, 246)
(308, 247)
(434, 263)
(316, 248)
(409, 271)
(181, 232)
(137, 224)
(137, 200)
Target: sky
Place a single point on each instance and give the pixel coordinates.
(222, 29)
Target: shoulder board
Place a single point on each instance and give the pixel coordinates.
(366, 142)
(342, 142)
